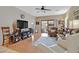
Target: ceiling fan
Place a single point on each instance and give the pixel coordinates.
(43, 8)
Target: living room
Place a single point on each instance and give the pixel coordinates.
(33, 22)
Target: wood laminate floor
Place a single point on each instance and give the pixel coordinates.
(25, 46)
(6, 50)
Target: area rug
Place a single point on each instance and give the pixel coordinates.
(48, 41)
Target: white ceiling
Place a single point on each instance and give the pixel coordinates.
(55, 10)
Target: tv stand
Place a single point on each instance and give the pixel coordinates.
(21, 30)
(22, 34)
(25, 33)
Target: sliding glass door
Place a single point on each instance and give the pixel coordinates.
(44, 25)
(47, 24)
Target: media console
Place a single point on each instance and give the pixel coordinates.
(21, 30)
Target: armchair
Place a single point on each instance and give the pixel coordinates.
(52, 32)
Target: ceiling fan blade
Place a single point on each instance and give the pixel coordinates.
(47, 9)
(37, 8)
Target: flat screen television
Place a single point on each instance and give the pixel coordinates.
(22, 24)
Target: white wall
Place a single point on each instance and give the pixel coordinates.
(10, 14)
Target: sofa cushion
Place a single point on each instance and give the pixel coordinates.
(71, 43)
(63, 43)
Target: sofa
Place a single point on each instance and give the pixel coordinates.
(70, 45)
